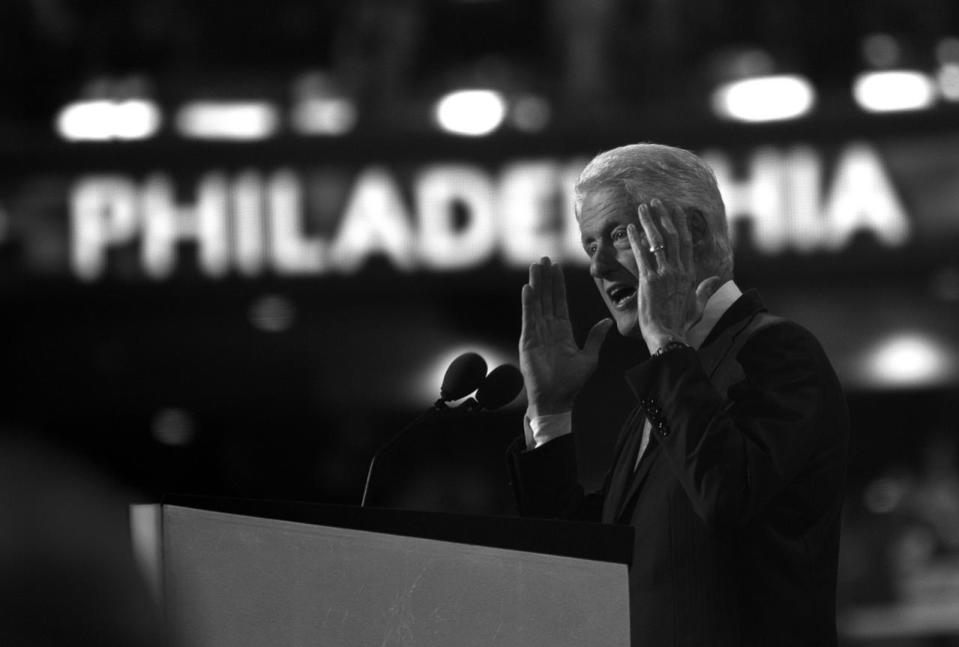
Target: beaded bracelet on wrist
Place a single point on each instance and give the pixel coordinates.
(671, 344)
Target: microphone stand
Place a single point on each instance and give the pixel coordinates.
(439, 405)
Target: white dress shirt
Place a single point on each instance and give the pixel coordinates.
(542, 429)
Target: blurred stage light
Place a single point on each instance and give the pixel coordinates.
(324, 116)
(883, 495)
(173, 427)
(766, 98)
(948, 79)
(893, 91)
(749, 62)
(108, 119)
(238, 120)
(910, 360)
(881, 50)
(471, 112)
(945, 284)
(947, 50)
(530, 113)
(272, 313)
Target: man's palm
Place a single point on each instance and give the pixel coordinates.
(554, 368)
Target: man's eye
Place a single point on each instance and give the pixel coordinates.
(590, 249)
(619, 234)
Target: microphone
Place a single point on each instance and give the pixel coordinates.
(500, 388)
(463, 376)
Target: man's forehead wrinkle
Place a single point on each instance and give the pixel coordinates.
(604, 202)
(599, 211)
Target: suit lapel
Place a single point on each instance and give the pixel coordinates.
(626, 449)
(638, 476)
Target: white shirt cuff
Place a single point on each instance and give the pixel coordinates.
(542, 429)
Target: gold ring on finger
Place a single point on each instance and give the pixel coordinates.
(657, 248)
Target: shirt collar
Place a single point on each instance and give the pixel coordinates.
(717, 305)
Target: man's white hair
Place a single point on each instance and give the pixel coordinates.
(647, 171)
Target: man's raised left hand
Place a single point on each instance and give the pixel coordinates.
(670, 300)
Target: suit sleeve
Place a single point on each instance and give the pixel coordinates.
(545, 480)
(734, 453)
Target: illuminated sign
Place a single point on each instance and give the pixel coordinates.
(253, 222)
(783, 197)
(446, 216)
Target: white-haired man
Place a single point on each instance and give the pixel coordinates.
(731, 466)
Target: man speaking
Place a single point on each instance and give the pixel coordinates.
(730, 468)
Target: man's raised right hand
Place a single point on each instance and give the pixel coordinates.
(554, 368)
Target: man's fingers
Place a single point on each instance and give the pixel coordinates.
(531, 311)
(535, 276)
(643, 256)
(527, 326)
(594, 340)
(560, 307)
(545, 294)
(653, 235)
(664, 217)
(536, 285)
(685, 239)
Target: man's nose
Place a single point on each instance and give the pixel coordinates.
(603, 262)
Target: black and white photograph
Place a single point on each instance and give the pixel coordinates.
(479, 323)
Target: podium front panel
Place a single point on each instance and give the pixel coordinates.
(238, 581)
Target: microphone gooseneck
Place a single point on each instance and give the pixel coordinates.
(464, 375)
(369, 472)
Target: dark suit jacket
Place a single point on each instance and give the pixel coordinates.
(736, 503)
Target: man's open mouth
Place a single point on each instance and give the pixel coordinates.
(621, 295)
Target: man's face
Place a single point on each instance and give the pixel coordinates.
(603, 217)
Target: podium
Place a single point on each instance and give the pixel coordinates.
(239, 573)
